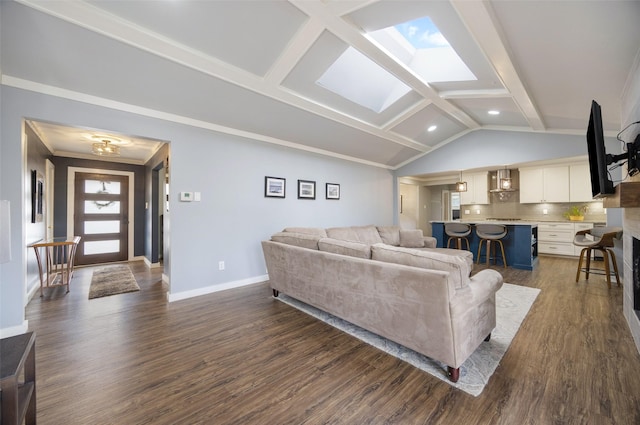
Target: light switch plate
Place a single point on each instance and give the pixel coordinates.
(186, 196)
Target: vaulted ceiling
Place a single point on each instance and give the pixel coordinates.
(251, 68)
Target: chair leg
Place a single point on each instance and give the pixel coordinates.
(468, 246)
(458, 243)
(580, 263)
(480, 250)
(615, 266)
(586, 270)
(504, 258)
(607, 271)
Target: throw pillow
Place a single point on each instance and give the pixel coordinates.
(411, 238)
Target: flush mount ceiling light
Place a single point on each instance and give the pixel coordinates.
(461, 186)
(432, 128)
(105, 148)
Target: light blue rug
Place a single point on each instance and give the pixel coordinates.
(513, 303)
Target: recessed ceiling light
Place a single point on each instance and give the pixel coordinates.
(432, 128)
(494, 112)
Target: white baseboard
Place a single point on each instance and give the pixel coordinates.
(215, 288)
(15, 330)
(151, 265)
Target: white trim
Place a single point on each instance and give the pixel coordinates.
(171, 297)
(14, 330)
(71, 179)
(151, 265)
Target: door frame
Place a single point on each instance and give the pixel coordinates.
(71, 179)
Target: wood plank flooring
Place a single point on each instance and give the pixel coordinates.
(241, 357)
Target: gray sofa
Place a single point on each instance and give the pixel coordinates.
(385, 280)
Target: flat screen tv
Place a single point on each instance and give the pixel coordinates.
(601, 184)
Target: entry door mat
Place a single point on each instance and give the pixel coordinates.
(112, 280)
(513, 302)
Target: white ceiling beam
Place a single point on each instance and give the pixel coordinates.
(407, 113)
(481, 23)
(95, 19)
(297, 48)
(348, 33)
(475, 94)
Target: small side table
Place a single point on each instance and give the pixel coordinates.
(59, 256)
(18, 398)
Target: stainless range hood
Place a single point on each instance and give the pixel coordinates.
(503, 181)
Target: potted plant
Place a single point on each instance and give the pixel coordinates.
(575, 213)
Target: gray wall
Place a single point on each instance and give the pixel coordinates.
(233, 216)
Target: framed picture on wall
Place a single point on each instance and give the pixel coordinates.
(274, 187)
(332, 191)
(37, 196)
(306, 189)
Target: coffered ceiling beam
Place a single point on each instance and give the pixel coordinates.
(478, 17)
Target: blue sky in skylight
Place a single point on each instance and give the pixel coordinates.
(422, 33)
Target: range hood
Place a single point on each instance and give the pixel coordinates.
(503, 182)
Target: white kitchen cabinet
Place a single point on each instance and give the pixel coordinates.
(557, 237)
(546, 184)
(580, 183)
(477, 188)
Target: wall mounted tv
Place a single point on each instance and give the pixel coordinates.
(599, 160)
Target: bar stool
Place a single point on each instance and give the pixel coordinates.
(597, 239)
(489, 233)
(457, 232)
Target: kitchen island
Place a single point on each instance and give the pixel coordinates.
(520, 243)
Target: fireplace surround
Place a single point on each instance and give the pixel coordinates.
(631, 287)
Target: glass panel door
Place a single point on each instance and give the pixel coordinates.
(101, 217)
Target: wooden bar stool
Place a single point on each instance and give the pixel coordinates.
(457, 232)
(597, 239)
(491, 234)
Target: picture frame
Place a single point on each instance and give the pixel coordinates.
(37, 196)
(332, 191)
(306, 189)
(275, 187)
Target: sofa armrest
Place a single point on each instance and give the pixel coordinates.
(430, 242)
(482, 286)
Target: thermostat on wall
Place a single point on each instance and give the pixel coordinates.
(186, 196)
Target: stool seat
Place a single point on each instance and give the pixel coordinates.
(597, 239)
(489, 233)
(457, 232)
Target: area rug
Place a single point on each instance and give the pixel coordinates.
(513, 303)
(112, 280)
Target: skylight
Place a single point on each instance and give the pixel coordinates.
(418, 44)
(357, 78)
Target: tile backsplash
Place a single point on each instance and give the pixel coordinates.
(507, 205)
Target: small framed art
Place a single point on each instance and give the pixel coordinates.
(332, 191)
(274, 187)
(306, 189)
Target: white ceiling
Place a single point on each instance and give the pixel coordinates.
(250, 68)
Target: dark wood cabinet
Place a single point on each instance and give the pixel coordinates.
(18, 379)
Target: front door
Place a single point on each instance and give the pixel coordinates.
(101, 205)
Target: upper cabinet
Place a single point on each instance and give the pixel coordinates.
(580, 183)
(544, 184)
(477, 188)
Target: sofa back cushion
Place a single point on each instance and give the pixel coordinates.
(303, 240)
(318, 231)
(367, 234)
(390, 235)
(411, 238)
(457, 267)
(350, 248)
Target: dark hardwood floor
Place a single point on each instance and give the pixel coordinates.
(241, 357)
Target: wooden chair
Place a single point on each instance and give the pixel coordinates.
(597, 239)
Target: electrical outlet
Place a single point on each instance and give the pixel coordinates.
(220, 265)
(467, 212)
(545, 211)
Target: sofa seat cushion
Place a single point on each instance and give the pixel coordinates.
(456, 265)
(317, 231)
(303, 240)
(350, 248)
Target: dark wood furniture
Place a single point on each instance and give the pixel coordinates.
(18, 396)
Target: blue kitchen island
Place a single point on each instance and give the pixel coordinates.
(520, 244)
